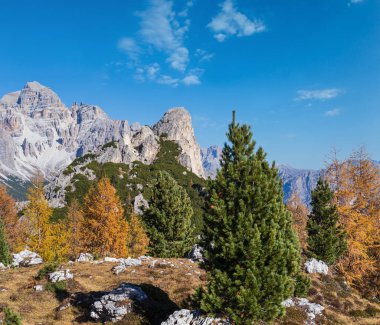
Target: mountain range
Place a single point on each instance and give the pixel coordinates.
(40, 134)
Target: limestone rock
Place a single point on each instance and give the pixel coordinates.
(188, 317)
(26, 258)
(315, 266)
(85, 257)
(114, 305)
(60, 275)
(312, 310)
(176, 126)
(140, 204)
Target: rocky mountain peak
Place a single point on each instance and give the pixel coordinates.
(176, 126)
(36, 96)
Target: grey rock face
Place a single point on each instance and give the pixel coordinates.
(38, 133)
(114, 305)
(211, 160)
(140, 204)
(176, 126)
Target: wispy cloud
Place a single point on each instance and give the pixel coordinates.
(231, 22)
(355, 1)
(333, 112)
(161, 34)
(203, 55)
(320, 94)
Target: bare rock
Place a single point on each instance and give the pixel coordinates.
(188, 317)
(140, 204)
(26, 258)
(116, 304)
(315, 266)
(61, 275)
(312, 310)
(196, 254)
(85, 257)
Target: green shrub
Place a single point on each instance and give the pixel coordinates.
(56, 287)
(11, 317)
(46, 269)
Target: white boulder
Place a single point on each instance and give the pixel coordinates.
(26, 258)
(188, 317)
(140, 204)
(114, 305)
(315, 266)
(38, 287)
(118, 269)
(85, 257)
(2, 266)
(60, 275)
(312, 310)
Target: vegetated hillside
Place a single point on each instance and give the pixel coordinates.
(132, 179)
(168, 285)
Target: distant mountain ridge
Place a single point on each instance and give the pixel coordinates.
(301, 181)
(39, 134)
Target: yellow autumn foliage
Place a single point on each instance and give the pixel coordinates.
(137, 239)
(105, 228)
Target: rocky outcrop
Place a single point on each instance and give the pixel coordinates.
(176, 126)
(312, 310)
(26, 258)
(188, 317)
(140, 204)
(38, 133)
(315, 266)
(60, 275)
(85, 257)
(115, 305)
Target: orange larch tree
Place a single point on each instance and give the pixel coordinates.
(299, 212)
(8, 215)
(137, 240)
(75, 223)
(105, 227)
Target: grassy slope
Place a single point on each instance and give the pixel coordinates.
(168, 287)
(126, 179)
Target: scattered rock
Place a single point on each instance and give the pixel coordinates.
(152, 264)
(140, 204)
(111, 259)
(60, 275)
(130, 261)
(114, 305)
(188, 317)
(39, 287)
(196, 254)
(315, 266)
(312, 310)
(2, 266)
(85, 257)
(118, 269)
(26, 258)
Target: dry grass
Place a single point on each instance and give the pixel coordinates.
(169, 287)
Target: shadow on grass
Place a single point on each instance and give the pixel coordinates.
(153, 310)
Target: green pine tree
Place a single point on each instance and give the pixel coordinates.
(5, 256)
(326, 238)
(252, 254)
(168, 219)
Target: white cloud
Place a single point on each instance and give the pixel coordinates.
(229, 21)
(168, 80)
(161, 37)
(179, 59)
(203, 55)
(129, 46)
(190, 80)
(333, 112)
(321, 94)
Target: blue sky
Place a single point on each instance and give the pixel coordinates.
(304, 74)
